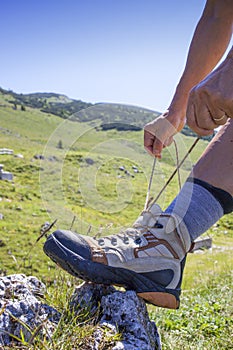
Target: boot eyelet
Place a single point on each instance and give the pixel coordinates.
(158, 225)
(114, 241)
(138, 240)
(101, 242)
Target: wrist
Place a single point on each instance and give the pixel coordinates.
(176, 118)
(178, 107)
(180, 99)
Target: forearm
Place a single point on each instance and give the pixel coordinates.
(210, 41)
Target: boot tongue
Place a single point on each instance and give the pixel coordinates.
(155, 209)
(149, 217)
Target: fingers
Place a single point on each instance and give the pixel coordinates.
(159, 133)
(219, 116)
(157, 148)
(198, 126)
(152, 144)
(202, 116)
(149, 141)
(214, 114)
(211, 101)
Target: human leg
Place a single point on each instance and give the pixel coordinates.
(215, 166)
(207, 194)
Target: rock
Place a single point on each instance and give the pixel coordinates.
(122, 312)
(52, 159)
(2, 243)
(201, 244)
(127, 173)
(129, 314)
(114, 314)
(89, 161)
(89, 294)
(38, 156)
(5, 175)
(21, 310)
(6, 150)
(19, 155)
(135, 169)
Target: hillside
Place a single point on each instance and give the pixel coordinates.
(104, 115)
(107, 116)
(82, 175)
(56, 104)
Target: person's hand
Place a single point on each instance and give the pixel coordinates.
(210, 103)
(159, 133)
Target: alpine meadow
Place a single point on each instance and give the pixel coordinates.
(84, 165)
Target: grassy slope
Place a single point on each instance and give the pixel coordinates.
(82, 190)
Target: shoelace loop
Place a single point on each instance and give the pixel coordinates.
(124, 237)
(133, 233)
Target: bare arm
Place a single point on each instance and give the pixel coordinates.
(210, 102)
(210, 41)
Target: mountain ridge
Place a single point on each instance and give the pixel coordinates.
(105, 115)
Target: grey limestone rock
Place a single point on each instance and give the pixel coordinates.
(119, 312)
(121, 316)
(21, 311)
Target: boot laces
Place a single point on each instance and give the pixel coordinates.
(131, 234)
(124, 237)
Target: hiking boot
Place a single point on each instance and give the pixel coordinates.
(148, 258)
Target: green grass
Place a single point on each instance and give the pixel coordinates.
(205, 318)
(102, 197)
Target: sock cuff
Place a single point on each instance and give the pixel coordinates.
(224, 198)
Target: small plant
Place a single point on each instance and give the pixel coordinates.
(59, 144)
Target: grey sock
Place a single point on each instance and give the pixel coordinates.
(198, 208)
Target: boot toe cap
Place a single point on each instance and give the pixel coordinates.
(64, 242)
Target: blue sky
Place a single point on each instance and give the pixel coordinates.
(121, 51)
